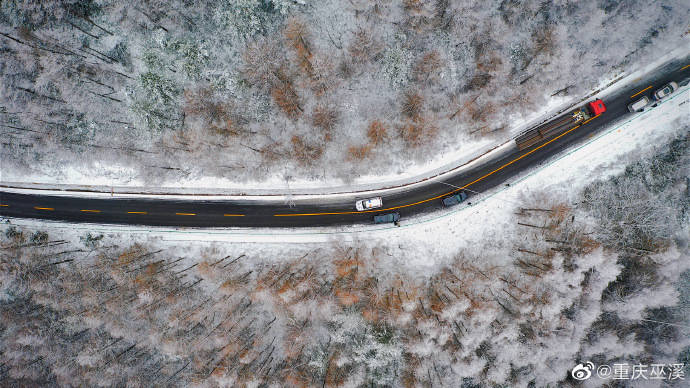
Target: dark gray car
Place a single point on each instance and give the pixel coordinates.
(386, 218)
(455, 199)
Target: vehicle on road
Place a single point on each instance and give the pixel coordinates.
(563, 123)
(368, 204)
(639, 105)
(387, 218)
(454, 199)
(666, 90)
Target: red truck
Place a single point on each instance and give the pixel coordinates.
(560, 125)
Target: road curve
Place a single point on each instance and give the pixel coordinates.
(330, 211)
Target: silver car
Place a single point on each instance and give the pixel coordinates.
(666, 90)
(639, 105)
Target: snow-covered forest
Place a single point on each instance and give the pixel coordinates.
(604, 278)
(248, 90)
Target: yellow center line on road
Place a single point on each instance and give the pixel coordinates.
(185, 214)
(43, 208)
(89, 211)
(2, 205)
(451, 192)
(641, 91)
(137, 213)
(685, 67)
(233, 215)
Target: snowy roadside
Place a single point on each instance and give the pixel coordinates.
(488, 216)
(205, 194)
(211, 193)
(445, 163)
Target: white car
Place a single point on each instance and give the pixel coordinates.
(368, 204)
(638, 106)
(666, 90)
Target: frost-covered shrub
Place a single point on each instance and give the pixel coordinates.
(39, 237)
(90, 240)
(193, 55)
(374, 350)
(36, 14)
(518, 56)
(120, 52)
(156, 101)
(396, 66)
(241, 18)
(283, 6)
(13, 233)
(77, 130)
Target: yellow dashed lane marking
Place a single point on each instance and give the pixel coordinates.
(1, 205)
(685, 67)
(137, 213)
(641, 91)
(89, 211)
(185, 214)
(454, 191)
(43, 208)
(233, 215)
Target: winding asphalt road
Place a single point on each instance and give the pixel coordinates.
(324, 211)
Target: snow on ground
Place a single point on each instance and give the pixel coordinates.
(123, 179)
(432, 239)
